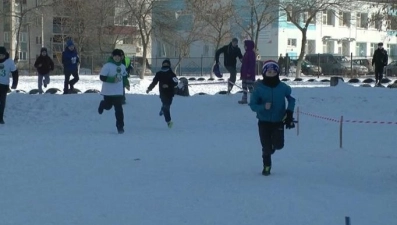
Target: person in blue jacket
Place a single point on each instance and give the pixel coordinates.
(70, 61)
(268, 101)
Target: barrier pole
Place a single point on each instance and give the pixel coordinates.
(341, 132)
(347, 220)
(297, 117)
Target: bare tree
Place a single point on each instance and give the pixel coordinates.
(216, 15)
(261, 15)
(141, 12)
(303, 13)
(22, 15)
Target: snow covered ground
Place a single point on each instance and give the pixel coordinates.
(61, 163)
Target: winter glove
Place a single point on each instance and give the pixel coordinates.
(127, 87)
(289, 120)
(147, 91)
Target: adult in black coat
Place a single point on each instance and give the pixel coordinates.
(379, 59)
(230, 53)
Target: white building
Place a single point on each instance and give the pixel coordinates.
(332, 32)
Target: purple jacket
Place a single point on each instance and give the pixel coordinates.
(249, 60)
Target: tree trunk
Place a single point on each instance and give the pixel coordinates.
(144, 56)
(302, 53)
(16, 51)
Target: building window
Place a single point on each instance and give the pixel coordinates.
(39, 40)
(291, 42)
(328, 17)
(23, 56)
(362, 20)
(289, 12)
(344, 19)
(6, 37)
(361, 49)
(23, 37)
(374, 46)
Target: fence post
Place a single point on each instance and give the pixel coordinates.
(319, 65)
(341, 132)
(351, 65)
(201, 65)
(297, 118)
(347, 220)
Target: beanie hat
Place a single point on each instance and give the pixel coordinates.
(117, 52)
(3, 50)
(234, 40)
(43, 49)
(270, 65)
(69, 43)
(166, 62)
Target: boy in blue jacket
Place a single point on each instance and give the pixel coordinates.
(268, 101)
(70, 61)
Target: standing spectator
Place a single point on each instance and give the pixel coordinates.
(379, 59)
(44, 65)
(280, 63)
(167, 83)
(287, 64)
(114, 79)
(7, 66)
(70, 61)
(230, 53)
(268, 101)
(126, 61)
(248, 70)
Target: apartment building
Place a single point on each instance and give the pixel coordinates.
(48, 27)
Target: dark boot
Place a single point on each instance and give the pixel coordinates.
(266, 170)
(100, 107)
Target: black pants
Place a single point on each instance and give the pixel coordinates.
(166, 107)
(117, 102)
(3, 99)
(378, 73)
(233, 73)
(68, 82)
(272, 138)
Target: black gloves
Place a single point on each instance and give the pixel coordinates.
(289, 120)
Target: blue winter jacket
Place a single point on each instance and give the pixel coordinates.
(276, 96)
(70, 59)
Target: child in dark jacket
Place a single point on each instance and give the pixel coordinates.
(70, 61)
(168, 81)
(248, 70)
(44, 65)
(268, 101)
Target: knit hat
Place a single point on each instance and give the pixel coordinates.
(270, 65)
(234, 40)
(117, 52)
(69, 43)
(380, 44)
(3, 50)
(43, 49)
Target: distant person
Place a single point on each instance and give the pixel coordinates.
(70, 61)
(379, 59)
(268, 101)
(7, 67)
(114, 79)
(44, 65)
(280, 63)
(126, 61)
(167, 84)
(287, 64)
(230, 53)
(248, 70)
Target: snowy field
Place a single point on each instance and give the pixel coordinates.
(63, 164)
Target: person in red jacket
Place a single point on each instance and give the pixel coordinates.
(44, 65)
(248, 70)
